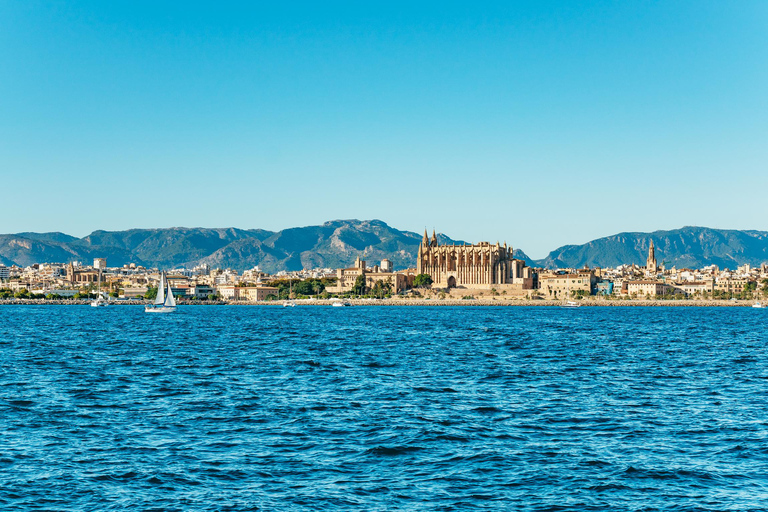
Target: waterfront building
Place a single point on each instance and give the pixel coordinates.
(131, 292)
(481, 266)
(346, 277)
(247, 293)
(731, 285)
(604, 288)
(695, 287)
(649, 288)
(566, 285)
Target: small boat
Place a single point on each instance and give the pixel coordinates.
(570, 304)
(99, 301)
(758, 304)
(289, 304)
(164, 301)
(341, 303)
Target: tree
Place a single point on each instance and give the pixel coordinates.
(381, 288)
(422, 281)
(359, 287)
(22, 294)
(151, 293)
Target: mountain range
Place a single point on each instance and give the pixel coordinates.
(337, 243)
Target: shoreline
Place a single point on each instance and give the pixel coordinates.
(411, 302)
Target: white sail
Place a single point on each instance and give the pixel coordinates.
(170, 300)
(160, 298)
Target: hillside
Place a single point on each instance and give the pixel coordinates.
(688, 247)
(337, 243)
(332, 244)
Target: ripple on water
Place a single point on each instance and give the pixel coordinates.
(244, 408)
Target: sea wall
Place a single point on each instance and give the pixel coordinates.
(414, 302)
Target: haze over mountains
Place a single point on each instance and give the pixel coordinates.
(337, 243)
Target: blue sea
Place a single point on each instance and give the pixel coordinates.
(383, 408)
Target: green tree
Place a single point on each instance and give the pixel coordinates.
(381, 288)
(359, 287)
(150, 294)
(422, 281)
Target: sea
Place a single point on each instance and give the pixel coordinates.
(237, 408)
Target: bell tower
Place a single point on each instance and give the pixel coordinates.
(650, 264)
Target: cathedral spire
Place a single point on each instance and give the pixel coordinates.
(425, 241)
(434, 239)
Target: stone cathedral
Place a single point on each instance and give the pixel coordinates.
(480, 266)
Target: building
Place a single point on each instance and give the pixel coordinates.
(249, 293)
(100, 264)
(650, 264)
(76, 276)
(482, 266)
(347, 277)
(695, 287)
(563, 286)
(200, 291)
(5, 272)
(131, 292)
(731, 285)
(648, 288)
(604, 288)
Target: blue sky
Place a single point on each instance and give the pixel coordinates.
(539, 123)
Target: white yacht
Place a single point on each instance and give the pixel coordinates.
(570, 304)
(338, 303)
(758, 304)
(99, 301)
(164, 301)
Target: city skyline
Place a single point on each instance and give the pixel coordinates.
(547, 124)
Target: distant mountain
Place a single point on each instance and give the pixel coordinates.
(688, 247)
(337, 243)
(332, 244)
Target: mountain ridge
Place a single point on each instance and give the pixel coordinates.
(337, 243)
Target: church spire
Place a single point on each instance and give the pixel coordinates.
(650, 264)
(425, 240)
(434, 239)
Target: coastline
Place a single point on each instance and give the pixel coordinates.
(411, 302)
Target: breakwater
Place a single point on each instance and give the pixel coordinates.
(414, 302)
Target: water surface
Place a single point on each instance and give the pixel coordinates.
(383, 408)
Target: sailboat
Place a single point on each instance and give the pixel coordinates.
(289, 303)
(164, 301)
(100, 301)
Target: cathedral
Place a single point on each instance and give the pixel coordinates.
(480, 266)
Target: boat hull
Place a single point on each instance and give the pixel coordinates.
(159, 310)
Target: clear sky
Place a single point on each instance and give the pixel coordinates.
(539, 123)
